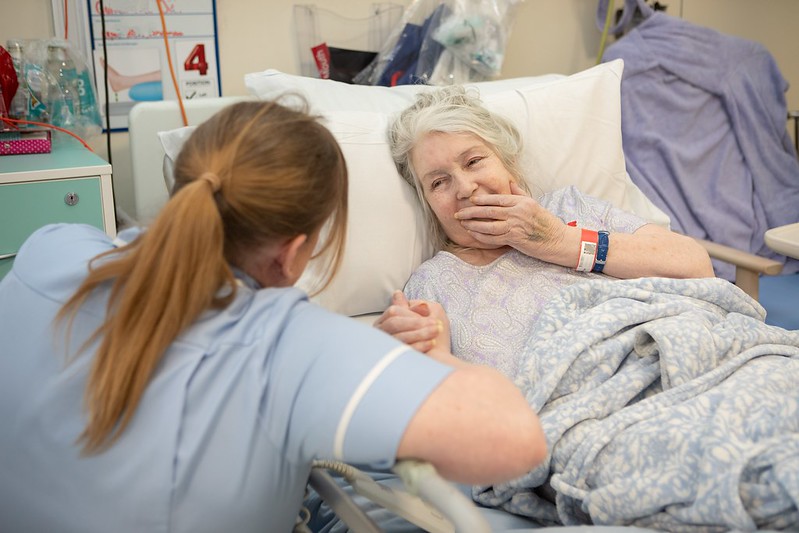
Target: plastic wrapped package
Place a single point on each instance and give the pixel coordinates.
(441, 42)
(56, 85)
(333, 46)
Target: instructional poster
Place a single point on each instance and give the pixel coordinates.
(137, 62)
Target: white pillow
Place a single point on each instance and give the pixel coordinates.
(572, 132)
(571, 124)
(572, 136)
(386, 237)
(329, 95)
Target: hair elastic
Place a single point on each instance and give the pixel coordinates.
(212, 179)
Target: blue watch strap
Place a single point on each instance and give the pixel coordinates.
(603, 240)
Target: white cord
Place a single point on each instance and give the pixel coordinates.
(430, 502)
(421, 478)
(304, 516)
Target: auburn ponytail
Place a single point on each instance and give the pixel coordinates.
(254, 173)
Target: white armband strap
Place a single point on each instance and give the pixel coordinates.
(357, 396)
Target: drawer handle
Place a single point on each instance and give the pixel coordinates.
(7, 256)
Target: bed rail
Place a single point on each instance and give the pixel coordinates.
(748, 267)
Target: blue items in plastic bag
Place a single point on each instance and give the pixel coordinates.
(444, 42)
(403, 68)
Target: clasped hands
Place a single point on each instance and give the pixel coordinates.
(421, 324)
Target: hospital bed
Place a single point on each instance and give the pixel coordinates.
(571, 126)
(584, 108)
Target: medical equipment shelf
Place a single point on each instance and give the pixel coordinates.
(70, 184)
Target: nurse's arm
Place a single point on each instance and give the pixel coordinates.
(475, 428)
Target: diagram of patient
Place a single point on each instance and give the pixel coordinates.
(133, 75)
(141, 87)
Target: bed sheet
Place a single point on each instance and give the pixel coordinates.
(666, 404)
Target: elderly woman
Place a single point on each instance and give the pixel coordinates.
(502, 253)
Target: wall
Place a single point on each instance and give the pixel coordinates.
(547, 36)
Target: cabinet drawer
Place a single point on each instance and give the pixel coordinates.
(25, 207)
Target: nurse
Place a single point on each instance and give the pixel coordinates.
(174, 380)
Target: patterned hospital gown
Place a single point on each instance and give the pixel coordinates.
(494, 307)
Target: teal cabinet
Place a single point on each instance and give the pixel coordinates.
(70, 184)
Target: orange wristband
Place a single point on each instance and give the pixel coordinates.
(588, 246)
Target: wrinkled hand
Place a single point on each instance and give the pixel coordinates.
(513, 220)
(421, 324)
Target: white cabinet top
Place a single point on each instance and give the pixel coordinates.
(68, 159)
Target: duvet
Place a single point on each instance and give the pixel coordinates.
(667, 404)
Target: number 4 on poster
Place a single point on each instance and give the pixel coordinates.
(198, 72)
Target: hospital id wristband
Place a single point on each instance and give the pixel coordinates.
(588, 246)
(603, 241)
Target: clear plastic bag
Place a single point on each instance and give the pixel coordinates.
(442, 42)
(330, 45)
(59, 87)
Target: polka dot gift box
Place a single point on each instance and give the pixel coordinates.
(18, 142)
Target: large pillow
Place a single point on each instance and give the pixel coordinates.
(572, 132)
(571, 124)
(329, 95)
(386, 238)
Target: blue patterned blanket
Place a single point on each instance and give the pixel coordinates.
(667, 404)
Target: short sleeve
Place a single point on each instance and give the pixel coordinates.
(352, 388)
(570, 205)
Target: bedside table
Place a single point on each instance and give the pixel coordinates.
(70, 184)
(784, 240)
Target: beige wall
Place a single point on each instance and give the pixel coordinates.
(547, 36)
